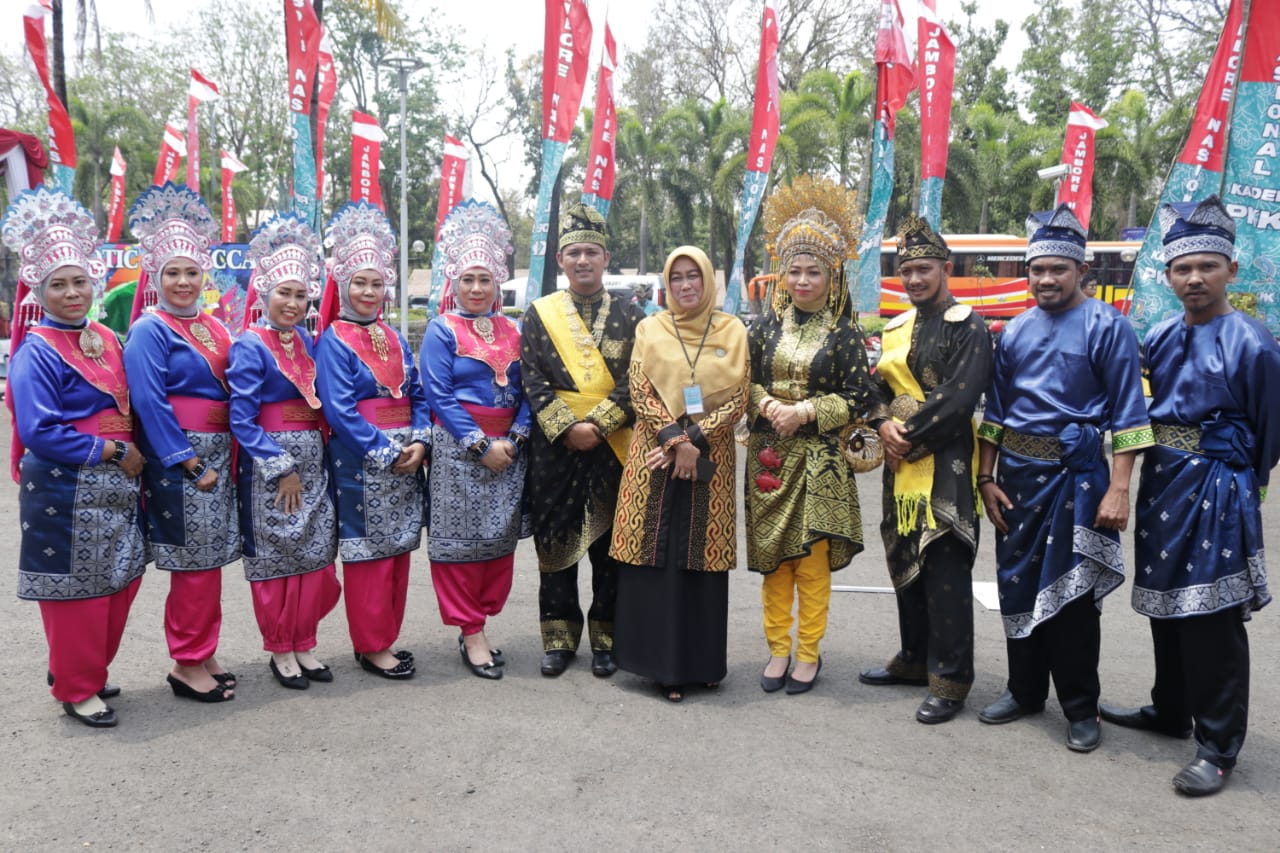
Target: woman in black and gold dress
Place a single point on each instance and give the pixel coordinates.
(809, 380)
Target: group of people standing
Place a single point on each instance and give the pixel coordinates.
(608, 434)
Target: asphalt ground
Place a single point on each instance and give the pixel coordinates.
(452, 762)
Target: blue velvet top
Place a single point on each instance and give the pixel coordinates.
(160, 363)
(50, 394)
(255, 379)
(452, 379)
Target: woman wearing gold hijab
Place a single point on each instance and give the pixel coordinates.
(809, 381)
(675, 526)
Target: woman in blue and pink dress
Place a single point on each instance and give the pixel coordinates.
(288, 527)
(380, 422)
(471, 367)
(82, 553)
(176, 361)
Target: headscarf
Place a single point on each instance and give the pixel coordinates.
(473, 236)
(49, 230)
(362, 239)
(662, 358)
(1190, 229)
(284, 249)
(170, 222)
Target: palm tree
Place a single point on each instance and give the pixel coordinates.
(704, 136)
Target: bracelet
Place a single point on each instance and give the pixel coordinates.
(813, 411)
(479, 449)
(679, 439)
(766, 402)
(122, 450)
(196, 473)
(983, 479)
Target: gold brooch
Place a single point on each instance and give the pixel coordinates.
(201, 334)
(379, 339)
(286, 342)
(484, 328)
(91, 344)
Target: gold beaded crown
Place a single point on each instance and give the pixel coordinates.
(813, 216)
(917, 239)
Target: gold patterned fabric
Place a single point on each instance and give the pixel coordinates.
(1045, 447)
(798, 356)
(1177, 436)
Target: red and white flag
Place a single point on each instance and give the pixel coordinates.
(230, 168)
(1077, 152)
(327, 83)
(172, 149)
(115, 211)
(604, 130)
(62, 139)
(764, 119)
(936, 67)
(453, 179)
(366, 147)
(565, 57)
(201, 89)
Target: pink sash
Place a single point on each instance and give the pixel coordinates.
(494, 423)
(108, 423)
(200, 415)
(289, 416)
(385, 412)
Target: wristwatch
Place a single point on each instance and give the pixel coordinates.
(122, 450)
(479, 449)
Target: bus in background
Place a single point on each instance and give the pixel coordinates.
(990, 273)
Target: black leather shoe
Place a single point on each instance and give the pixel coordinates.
(320, 673)
(496, 654)
(1201, 778)
(186, 691)
(104, 719)
(603, 665)
(935, 709)
(108, 691)
(882, 677)
(489, 670)
(556, 661)
(1005, 710)
(293, 682)
(404, 669)
(1144, 719)
(795, 686)
(401, 654)
(772, 684)
(1084, 735)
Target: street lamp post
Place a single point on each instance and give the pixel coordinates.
(403, 66)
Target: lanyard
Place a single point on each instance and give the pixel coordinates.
(693, 363)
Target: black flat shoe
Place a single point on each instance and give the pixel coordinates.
(602, 664)
(1145, 719)
(490, 670)
(401, 654)
(103, 719)
(1084, 735)
(185, 691)
(935, 709)
(108, 691)
(320, 673)
(293, 682)
(404, 669)
(882, 677)
(496, 654)
(795, 686)
(555, 662)
(1005, 710)
(1201, 778)
(774, 683)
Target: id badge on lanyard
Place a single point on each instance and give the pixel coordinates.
(693, 399)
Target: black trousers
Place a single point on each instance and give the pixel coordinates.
(935, 621)
(1202, 674)
(560, 612)
(1066, 647)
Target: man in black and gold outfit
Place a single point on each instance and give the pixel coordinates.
(575, 349)
(935, 365)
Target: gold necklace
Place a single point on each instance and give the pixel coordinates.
(201, 334)
(286, 342)
(586, 341)
(91, 344)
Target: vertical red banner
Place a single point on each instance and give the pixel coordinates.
(604, 129)
(302, 35)
(115, 210)
(1207, 143)
(327, 81)
(565, 57)
(764, 118)
(200, 90)
(453, 176)
(230, 168)
(936, 67)
(172, 149)
(62, 140)
(895, 78)
(1077, 153)
(366, 146)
